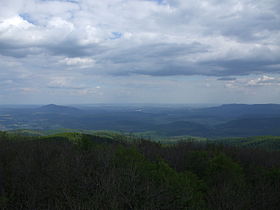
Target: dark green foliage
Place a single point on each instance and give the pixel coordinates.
(198, 162)
(162, 186)
(82, 171)
(261, 142)
(225, 178)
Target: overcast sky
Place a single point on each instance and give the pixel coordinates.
(139, 51)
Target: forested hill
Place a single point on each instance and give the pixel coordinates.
(242, 110)
(112, 171)
(230, 120)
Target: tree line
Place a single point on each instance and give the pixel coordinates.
(87, 172)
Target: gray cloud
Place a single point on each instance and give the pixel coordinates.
(241, 66)
(160, 45)
(226, 78)
(155, 53)
(84, 40)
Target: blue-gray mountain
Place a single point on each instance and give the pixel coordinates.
(231, 120)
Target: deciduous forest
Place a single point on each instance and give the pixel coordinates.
(81, 171)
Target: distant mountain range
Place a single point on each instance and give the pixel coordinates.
(242, 110)
(230, 120)
(57, 109)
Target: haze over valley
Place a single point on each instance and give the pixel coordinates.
(231, 120)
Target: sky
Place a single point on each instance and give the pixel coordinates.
(139, 51)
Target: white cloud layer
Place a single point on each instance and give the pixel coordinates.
(97, 43)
